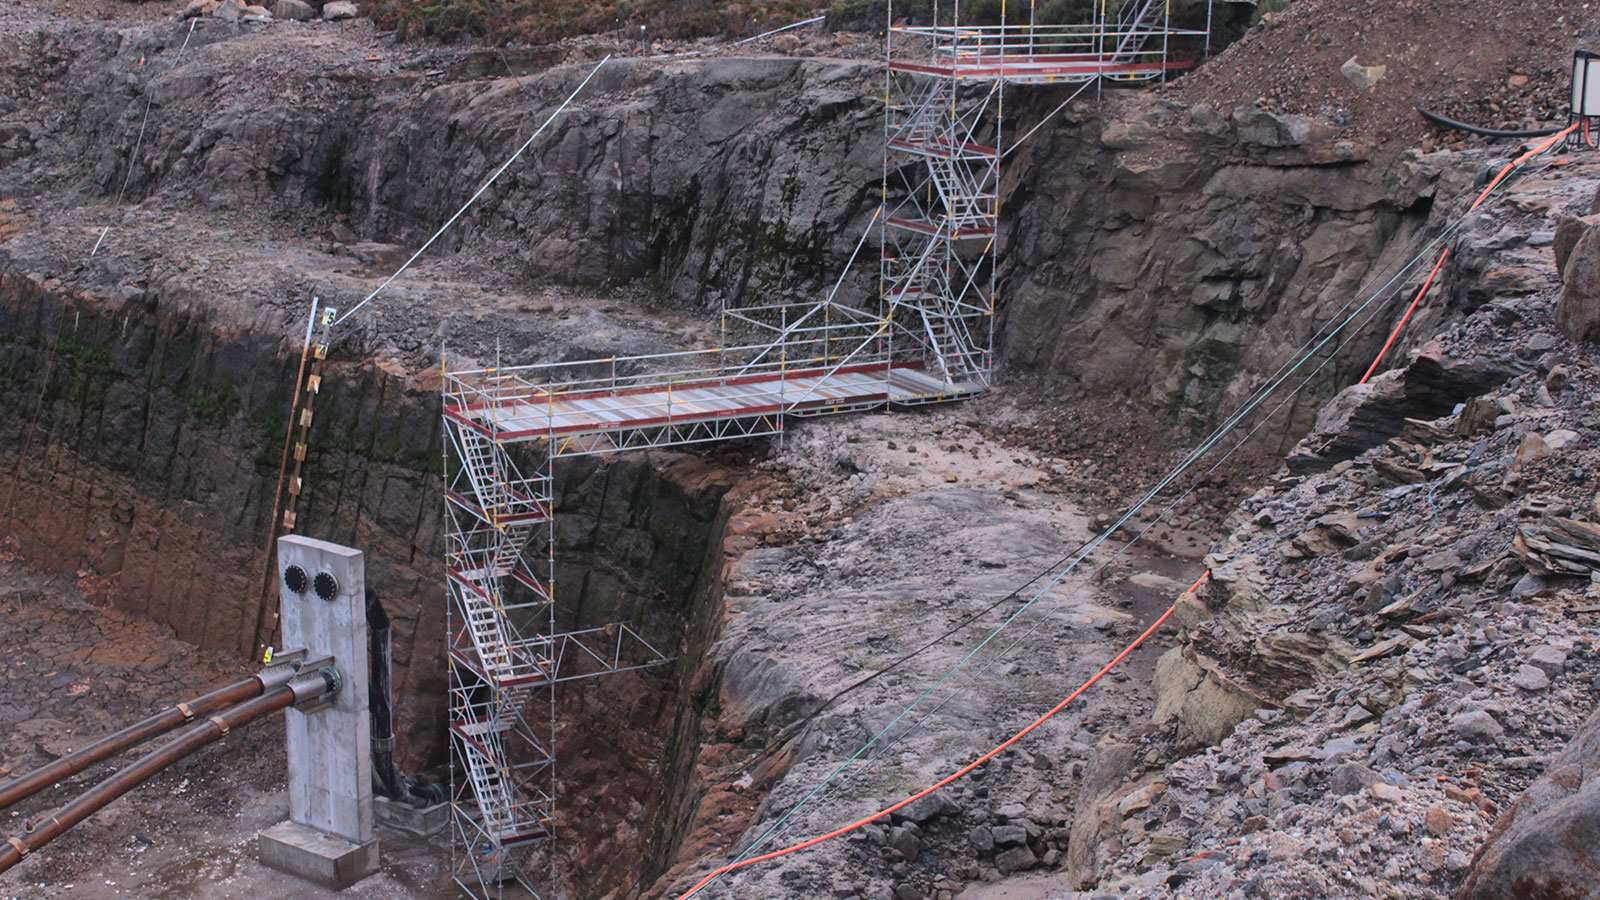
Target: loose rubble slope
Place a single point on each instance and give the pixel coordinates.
(1417, 635)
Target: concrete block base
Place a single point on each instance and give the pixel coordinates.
(425, 822)
(319, 858)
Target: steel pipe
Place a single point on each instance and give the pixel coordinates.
(25, 786)
(42, 832)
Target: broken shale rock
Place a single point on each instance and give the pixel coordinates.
(1191, 689)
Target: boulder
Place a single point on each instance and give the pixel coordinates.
(906, 841)
(1544, 844)
(1551, 660)
(298, 10)
(340, 9)
(1353, 777)
(1531, 679)
(1476, 725)
(197, 8)
(1190, 688)
(1363, 77)
(1578, 306)
(1017, 859)
(229, 10)
(1566, 237)
(1097, 825)
(1006, 835)
(925, 808)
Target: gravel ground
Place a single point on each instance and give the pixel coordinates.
(73, 670)
(1495, 63)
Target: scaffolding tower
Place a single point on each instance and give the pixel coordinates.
(929, 339)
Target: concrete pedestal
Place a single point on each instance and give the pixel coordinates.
(424, 822)
(329, 838)
(316, 856)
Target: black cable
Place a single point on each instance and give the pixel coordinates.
(1486, 132)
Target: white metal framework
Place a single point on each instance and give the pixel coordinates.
(930, 339)
(505, 652)
(943, 97)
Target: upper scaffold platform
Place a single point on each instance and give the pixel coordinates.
(1131, 50)
(614, 412)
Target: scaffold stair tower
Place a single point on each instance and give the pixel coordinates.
(928, 339)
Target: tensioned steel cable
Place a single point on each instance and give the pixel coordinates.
(479, 193)
(1377, 310)
(1516, 165)
(1160, 517)
(1413, 246)
(974, 677)
(133, 157)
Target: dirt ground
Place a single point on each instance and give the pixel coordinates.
(73, 671)
(1495, 63)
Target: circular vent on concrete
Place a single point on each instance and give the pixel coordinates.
(327, 587)
(294, 578)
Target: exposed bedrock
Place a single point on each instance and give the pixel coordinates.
(1172, 254)
(1543, 846)
(1182, 255)
(149, 444)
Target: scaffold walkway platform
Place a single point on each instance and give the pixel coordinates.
(507, 406)
(927, 336)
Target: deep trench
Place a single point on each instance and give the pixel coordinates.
(150, 470)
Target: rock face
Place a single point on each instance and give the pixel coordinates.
(1192, 690)
(1173, 248)
(1543, 847)
(177, 423)
(1578, 308)
(750, 180)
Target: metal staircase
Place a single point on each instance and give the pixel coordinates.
(505, 653)
(942, 179)
(929, 340)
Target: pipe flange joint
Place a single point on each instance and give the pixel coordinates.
(316, 686)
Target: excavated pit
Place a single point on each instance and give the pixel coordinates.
(1165, 254)
(148, 444)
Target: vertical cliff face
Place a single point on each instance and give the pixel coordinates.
(145, 444)
(1167, 253)
(1179, 255)
(146, 448)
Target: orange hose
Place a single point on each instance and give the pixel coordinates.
(1548, 142)
(1405, 318)
(812, 842)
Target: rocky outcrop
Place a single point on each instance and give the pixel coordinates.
(741, 179)
(1578, 307)
(1421, 613)
(1184, 253)
(1363, 416)
(1192, 689)
(1543, 847)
